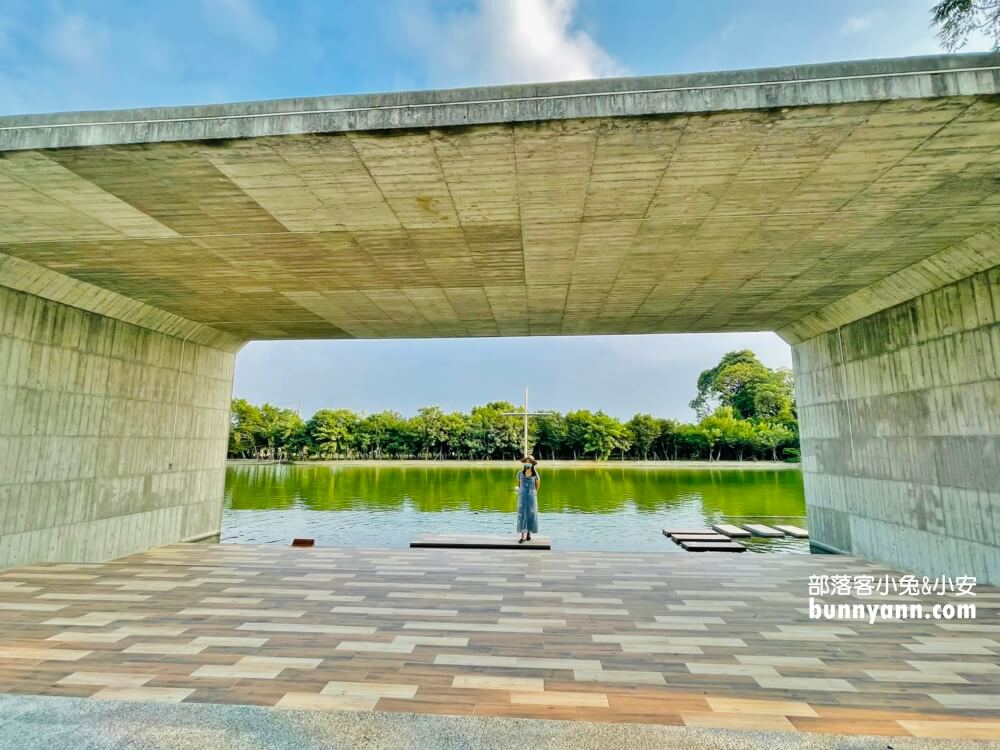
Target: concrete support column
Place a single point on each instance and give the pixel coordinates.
(112, 435)
(900, 420)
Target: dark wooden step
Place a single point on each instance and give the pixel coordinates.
(474, 541)
(713, 546)
(699, 538)
(673, 532)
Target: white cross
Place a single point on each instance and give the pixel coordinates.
(525, 414)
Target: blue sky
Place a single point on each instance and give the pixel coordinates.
(102, 54)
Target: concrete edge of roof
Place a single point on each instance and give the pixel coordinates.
(973, 74)
(54, 723)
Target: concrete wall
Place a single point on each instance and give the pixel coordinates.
(112, 436)
(900, 419)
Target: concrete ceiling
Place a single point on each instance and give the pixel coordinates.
(745, 219)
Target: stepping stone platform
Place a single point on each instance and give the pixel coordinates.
(699, 538)
(729, 530)
(702, 540)
(795, 531)
(727, 546)
(473, 541)
(759, 529)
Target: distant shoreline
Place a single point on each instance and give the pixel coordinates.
(557, 464)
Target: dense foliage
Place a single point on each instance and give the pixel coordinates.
(957, 19)
(745, 410)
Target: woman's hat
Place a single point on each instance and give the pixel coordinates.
(529, 459)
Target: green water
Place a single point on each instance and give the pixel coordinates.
(608, 508)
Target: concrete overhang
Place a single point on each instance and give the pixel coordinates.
(795, 199)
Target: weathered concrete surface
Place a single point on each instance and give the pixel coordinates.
(766, 200)
(112, 436)
(900, 420)
(762, 88)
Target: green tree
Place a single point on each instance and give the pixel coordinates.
(772, 437)
(550, 435)
(455, 426)
(957, 19)
(279, 428)
(381, 434)
(667, 443)
(244, 428)
(642, 431)
(745, 409)
(774, 399)
(743, 382)
(491, 433)
(692, 442)
(604, 435)
(577, 424)
(430, 430)
(719, 429)
(715, 387)
(331, 431)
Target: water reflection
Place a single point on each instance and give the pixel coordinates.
(582, 508)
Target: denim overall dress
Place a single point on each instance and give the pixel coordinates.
(527, 504)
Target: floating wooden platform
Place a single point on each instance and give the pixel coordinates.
(473, 541)
(795, 531)
(729, 530)
(759, 529)
(727, 546)
(699, 538)
(703, 540)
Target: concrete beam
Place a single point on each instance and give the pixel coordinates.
(763, 88)
(25, 276)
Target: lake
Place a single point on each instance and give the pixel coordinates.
(612, 508)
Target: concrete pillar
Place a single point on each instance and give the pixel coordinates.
(900, 421)
(112, 435)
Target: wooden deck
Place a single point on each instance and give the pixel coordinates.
(481, 541)
(699, 640)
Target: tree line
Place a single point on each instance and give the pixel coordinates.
(746, 411)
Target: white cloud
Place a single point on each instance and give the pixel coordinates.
(508, 41)
(241, 20)
(858, 24)
(890, 33)
(80, 42)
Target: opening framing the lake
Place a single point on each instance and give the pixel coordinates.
(853, 208)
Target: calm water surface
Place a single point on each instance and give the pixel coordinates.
(612, 508)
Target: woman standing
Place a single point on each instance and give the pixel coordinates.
(527, 498)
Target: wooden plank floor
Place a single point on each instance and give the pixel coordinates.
(702, 640)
